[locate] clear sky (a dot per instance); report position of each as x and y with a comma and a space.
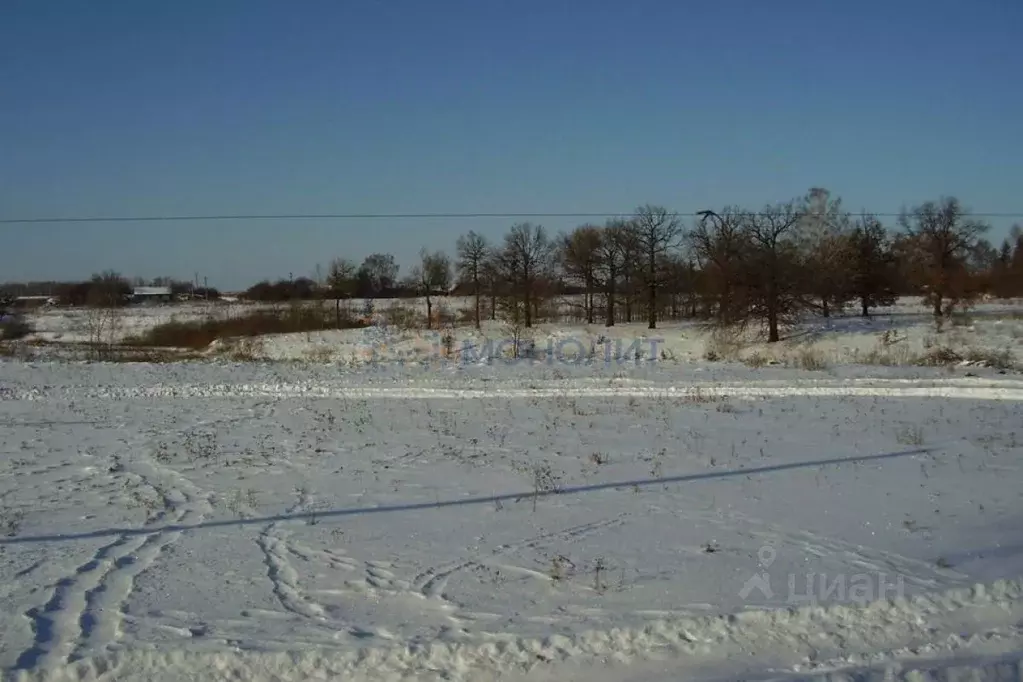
123, 107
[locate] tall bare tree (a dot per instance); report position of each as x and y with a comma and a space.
942, 235
473, 250
632, 265
680, 285
342, 283
492, 279
524, 260
720, 247
658, 233
776, 269
873, 265
611, 255
432, 274
580, 256
826, 240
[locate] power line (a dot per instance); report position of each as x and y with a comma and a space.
373, 216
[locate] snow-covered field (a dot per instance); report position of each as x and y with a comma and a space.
383, 504
901, 335
524, 521
74, 325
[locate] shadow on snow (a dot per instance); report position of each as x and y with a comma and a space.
489, 499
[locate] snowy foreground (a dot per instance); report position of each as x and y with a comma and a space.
643, 522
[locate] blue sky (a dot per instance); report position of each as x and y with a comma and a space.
207, 107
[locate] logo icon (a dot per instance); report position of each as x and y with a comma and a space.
761, 581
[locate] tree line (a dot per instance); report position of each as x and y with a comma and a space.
733, 267
108, 288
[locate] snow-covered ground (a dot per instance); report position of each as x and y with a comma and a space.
80, 325
518, 521
901, 335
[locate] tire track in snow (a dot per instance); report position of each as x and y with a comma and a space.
781, 642
283, 576
431, 582
56, 626
101, 621
85, 610
922, 574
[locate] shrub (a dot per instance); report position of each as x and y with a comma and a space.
722, 345
811, 359
201, 333
14, 327
940, 356
403, 317
997, 359
755, 360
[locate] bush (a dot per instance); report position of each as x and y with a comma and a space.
940, 356
755, 360
811, 359
722, 345
201, 333
14, 327
403, 317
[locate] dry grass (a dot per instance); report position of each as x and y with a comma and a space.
755, 360
244, 349
938, 356
320, 354
198, 334
891, 350
999, 359
810, 359
894, 352
150, 355
723, 345
95, 352
404, 317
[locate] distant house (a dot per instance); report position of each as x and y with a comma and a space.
152, 295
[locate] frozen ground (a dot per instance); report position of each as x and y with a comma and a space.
283, 521
900, 335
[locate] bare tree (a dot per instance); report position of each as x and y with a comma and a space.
108, 292
377, 274
611, 256
492, 279
873, 266
632, 265
754, 263
580, 256
524, 260
1007, 275
720, 247
472, 251
825, 236
680, 285
776, 269
942, 235
658, 232
433, 274
341, 277
342, 283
